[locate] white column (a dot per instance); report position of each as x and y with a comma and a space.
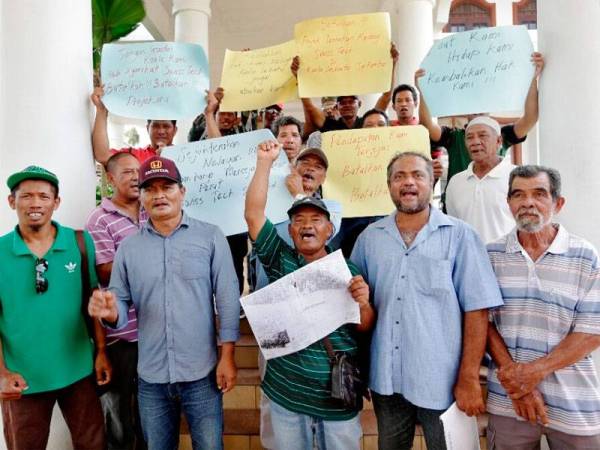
191, 25
504, 12
414, 35
569, 113
46, 79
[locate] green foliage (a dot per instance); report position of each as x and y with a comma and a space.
112, 20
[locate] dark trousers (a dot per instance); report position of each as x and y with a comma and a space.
397, 419
119, 402
238, 244
27, 420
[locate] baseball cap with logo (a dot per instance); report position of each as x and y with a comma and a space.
32, 173
308, 201
158, 167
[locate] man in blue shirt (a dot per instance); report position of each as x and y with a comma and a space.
170, 270
431, 283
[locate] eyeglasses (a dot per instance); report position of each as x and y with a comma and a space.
41, 284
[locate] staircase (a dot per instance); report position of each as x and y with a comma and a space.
242, 413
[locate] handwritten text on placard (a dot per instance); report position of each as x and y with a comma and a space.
216, 174
357, 165
485, 70
258, 78
154, 80
344, 55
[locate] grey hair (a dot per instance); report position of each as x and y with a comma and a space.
284, 121
532, 171
397, 156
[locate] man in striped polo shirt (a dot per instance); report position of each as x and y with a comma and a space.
542, 338
115, 219
303, 413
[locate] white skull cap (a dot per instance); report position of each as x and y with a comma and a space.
485, 120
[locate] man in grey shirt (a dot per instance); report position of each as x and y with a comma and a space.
170, 270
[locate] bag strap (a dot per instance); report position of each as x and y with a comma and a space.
85, 281
329, 348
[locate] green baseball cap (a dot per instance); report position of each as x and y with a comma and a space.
32, 173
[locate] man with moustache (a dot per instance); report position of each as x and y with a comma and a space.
174, 270
541, 340
46, 355
432, 285
161, 133
114, 220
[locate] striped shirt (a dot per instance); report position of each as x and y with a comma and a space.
108, 227
301, 381
544, 301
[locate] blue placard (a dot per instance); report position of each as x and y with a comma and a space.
216, 174
478, 71
154, 80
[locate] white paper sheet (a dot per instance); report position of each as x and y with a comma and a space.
460, 430
302, 307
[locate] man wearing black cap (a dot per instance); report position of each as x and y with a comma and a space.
171, 270
46, 355
302, 410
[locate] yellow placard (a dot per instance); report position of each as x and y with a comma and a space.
358, 160
257, 78
344, 55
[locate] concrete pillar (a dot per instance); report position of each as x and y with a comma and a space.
569, 111
413, 36
45, 82
191, 25
504, 12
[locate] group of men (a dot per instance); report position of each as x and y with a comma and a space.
135, 304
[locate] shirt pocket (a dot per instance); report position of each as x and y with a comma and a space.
432, 277
193, 263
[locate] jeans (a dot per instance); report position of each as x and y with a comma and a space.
160, 410
396, 421
119, 402
294, 431
27, 420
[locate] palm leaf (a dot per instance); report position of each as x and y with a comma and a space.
112, 20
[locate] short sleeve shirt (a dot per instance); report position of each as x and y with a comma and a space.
421, 294
44, 336
142, 154
544, 301
339, 124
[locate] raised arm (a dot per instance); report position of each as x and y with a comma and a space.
384, 99
531, 111
210, 113
100, 143
256, 195
425, 119
314, 117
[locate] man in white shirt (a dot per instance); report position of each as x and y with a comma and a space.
478, 195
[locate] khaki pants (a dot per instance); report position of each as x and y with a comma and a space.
27, 420
506, 433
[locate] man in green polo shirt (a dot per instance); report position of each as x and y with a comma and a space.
303, 414
47, 355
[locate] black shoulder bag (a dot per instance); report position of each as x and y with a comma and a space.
346, 382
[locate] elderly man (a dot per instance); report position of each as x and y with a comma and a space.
171, 270
432, 286
46, 356
478, 194
161, 133
303, 413
542, 338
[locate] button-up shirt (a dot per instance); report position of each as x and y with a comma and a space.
545, 301
420, 294
481, 202
171, 280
